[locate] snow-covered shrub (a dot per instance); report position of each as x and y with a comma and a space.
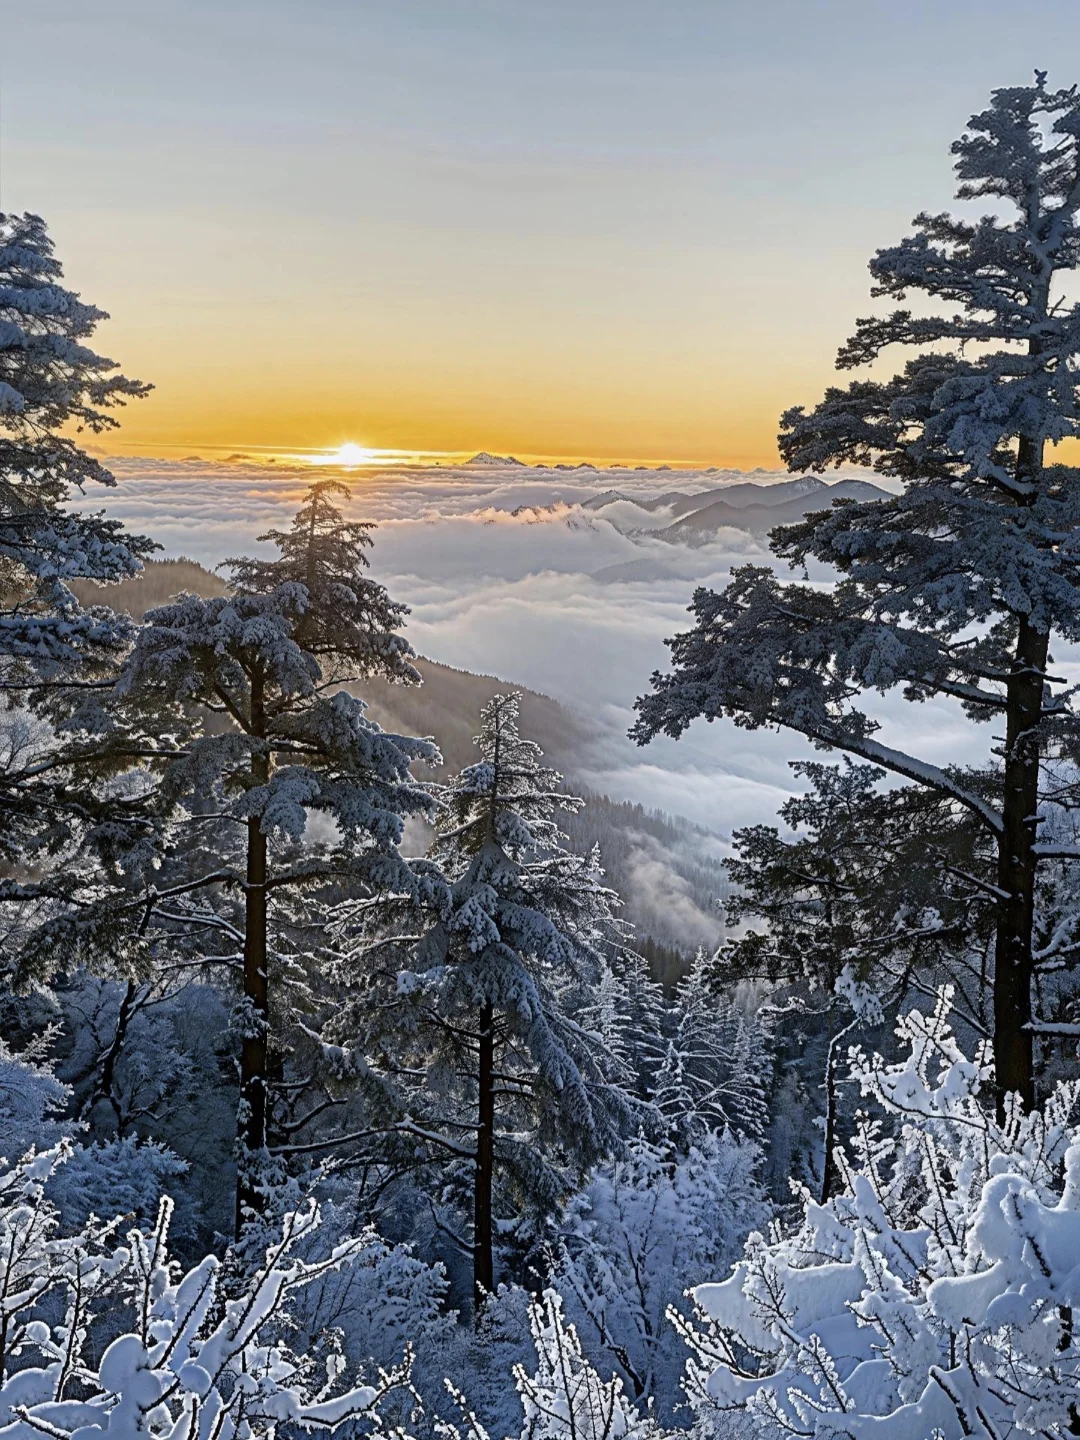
114, 1177
32, 1102
644, 1223
384, 1302
178, 1357
933, 1295
563, 1397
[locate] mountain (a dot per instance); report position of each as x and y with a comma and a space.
612, 497
159, 582
797, 496
662, 866
696, 526
447, 706
751, 492
483, 457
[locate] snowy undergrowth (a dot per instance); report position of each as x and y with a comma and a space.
101, 1337
933, 1295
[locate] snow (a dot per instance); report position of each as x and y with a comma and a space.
929, 1293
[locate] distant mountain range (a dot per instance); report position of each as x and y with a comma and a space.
744, 505
484, 457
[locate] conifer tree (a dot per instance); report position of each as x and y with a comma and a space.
470, 998
264, 667
51, 379
719, 1058
55, 656
954, 587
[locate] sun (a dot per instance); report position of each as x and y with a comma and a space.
348, 454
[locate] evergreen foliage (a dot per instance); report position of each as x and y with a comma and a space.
470, 996
262, 669
226, 981
954, 587
61, 815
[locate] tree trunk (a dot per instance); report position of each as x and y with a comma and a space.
1014, 1068
1013, 1056
253, 1054
483, 1261
105, 1089
830, 1175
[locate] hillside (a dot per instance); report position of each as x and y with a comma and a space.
661, 865
159, 582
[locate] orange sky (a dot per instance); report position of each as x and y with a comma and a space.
617, 230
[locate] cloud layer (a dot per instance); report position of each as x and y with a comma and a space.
507, 574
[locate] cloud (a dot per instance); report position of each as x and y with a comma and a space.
663, 902
506, 573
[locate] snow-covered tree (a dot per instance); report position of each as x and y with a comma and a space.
468, 998
263, 669
933, 1293
640, 1017
563, 1397
98, 1337
50, 379
955, 587
871, 896
643, 1224
718, 1057
56, 749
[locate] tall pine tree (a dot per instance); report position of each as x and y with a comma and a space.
472, 1001
56, 657
955, 587
263, 669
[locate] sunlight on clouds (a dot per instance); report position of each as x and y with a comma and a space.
509, 572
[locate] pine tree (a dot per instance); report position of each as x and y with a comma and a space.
954, 587
57, 752
718, 1059
264, 667
642, 1017
51, 379
471, 1000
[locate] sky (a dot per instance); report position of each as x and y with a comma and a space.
599, 228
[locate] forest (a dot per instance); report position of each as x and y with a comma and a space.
352, 1077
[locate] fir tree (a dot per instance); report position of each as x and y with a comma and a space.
954, 587
472, 1000
720, 1057
58, 812
263, 667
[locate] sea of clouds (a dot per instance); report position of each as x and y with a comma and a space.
508, 574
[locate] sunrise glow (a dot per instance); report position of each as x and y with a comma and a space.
348, 455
